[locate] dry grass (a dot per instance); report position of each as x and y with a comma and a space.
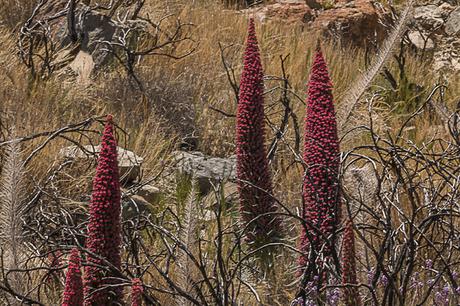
14, 12
192, 85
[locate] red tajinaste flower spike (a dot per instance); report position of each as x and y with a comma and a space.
350, 294
73, 291
104, 227
254, 179
136, 292
321, 155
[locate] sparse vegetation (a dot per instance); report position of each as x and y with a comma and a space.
396, 175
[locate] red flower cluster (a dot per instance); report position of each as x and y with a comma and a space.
73, 291
321, 156
136, 292
254, 180
104, 228
350, 294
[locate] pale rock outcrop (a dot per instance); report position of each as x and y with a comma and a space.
129, 164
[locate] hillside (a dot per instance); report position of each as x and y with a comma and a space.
147, 140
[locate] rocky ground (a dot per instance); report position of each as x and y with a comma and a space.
434, 29
358, 22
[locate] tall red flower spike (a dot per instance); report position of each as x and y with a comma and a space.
136, 292
321, 155
104, 228
257, 206
350, 294
73, 291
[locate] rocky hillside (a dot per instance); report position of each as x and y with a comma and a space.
434, 30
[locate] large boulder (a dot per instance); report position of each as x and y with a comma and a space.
447, 56
95, 29
355, 22
288, 12
129, 164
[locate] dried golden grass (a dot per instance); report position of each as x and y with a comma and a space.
201, 80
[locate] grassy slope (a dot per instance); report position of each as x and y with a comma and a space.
196, 82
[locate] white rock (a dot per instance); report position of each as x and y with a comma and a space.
83, 66
420, 41
129, 164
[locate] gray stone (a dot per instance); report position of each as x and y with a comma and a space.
313, 4
446, 57
205, 169
93, 28
96, 28
440, 22
425, 11
129, 164
452, 26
